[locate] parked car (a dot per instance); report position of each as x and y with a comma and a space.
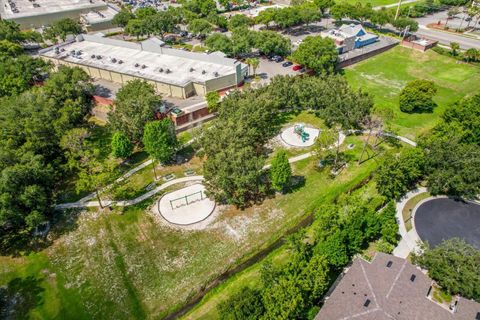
277, 59
287, 64
296, 67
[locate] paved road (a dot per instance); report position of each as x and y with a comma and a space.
446, 38
444, 218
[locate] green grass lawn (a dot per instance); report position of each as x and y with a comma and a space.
374, 3
127, 265
385, 75
407, 209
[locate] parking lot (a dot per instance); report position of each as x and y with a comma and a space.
268, 69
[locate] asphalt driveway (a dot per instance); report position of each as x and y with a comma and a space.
445, 218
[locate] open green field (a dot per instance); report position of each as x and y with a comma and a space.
374, 3
385, 75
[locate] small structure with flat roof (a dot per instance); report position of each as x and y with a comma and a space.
390, 288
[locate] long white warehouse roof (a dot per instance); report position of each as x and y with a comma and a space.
147, 59
13, 9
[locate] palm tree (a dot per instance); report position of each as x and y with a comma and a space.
254, 63
472, 54
455, 47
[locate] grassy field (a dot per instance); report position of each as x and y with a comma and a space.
127, 264
207, 308
385, 75
374, 3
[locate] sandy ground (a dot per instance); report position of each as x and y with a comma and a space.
173, 206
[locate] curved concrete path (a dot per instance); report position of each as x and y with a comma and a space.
410, 239
85, 201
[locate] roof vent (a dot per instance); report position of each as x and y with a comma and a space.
99, 57
114, 60
160, 70
412, 277
120, 61
215, 74
389, 264
62, 50
191, 69
72, 52
137, 65
92, 56
367, 303
203, 71
167, 71
143, 66
57, 50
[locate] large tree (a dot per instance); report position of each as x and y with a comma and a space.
219, 42
135, 105
32, 161
317, 53
280, 171
417, 96
270, 42
399, 173
160, 140
454, 264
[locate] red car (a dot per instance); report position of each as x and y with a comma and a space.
296, 67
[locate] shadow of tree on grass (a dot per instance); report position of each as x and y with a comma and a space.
19, 297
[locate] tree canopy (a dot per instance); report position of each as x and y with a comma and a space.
160, 140
280, 171
417, 96
454, 264
317, 53
135, 105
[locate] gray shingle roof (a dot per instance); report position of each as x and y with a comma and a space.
395, 292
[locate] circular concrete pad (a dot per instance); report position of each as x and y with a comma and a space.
443, 218
289, 136
186, 206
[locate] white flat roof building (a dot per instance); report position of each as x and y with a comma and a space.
38, 13
120, 61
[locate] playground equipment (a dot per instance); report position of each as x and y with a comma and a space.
300, 130
187, 199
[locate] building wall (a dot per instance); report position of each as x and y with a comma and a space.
221, 83
359, 44
165, 89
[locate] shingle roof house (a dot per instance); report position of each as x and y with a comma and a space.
389, 288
